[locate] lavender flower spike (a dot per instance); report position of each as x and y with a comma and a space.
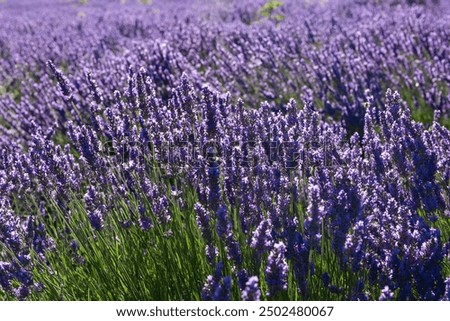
386, 294
251, 291
262, 239
277, 270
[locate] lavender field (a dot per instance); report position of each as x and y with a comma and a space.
224, 150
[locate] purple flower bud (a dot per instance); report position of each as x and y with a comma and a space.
203, 219
223, 291
145, 222
251, 291
446, 296
209, 289
277, 270
96, 219
262, 239
62, 81
386, 294
223, 226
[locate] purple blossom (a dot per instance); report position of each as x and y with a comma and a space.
96, 219
223, 226
446, 296
262, 239
200, 123
217, 287
276, 270
316, 213
62, 81
386, 294
203, 221
251, 291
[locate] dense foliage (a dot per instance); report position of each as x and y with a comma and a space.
217, 150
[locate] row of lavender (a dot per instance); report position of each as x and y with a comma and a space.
337, 52
347, 183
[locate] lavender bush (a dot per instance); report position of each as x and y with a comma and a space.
224, 150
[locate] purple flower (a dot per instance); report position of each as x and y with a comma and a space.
233, 250
217, 287
251, 291
242, 278
223, 226
386, 294
446, 296
276, 270
209, 289
203, 220
223, 291
214, 196
5, 275
145, 222
316, 213
22, 292
96, 219
62, 81
211, 252
262, 239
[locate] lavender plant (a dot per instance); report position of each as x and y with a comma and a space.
228, 152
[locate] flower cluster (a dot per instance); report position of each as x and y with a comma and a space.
279, 143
